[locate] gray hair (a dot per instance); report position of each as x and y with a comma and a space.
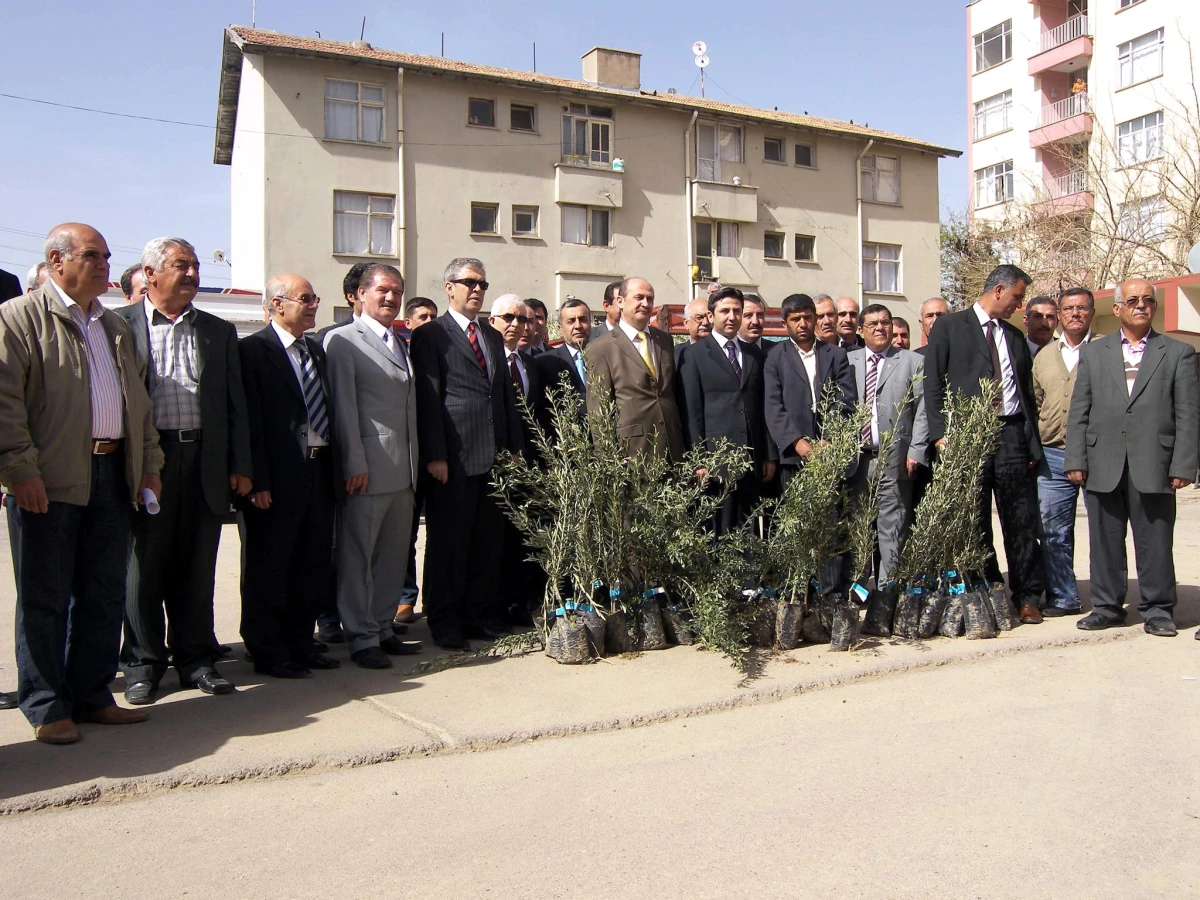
571, 303
507, 303
941, 300
31, 280
59, 240
155, 253
821, 298
463, 262
1005, 276
1118, 298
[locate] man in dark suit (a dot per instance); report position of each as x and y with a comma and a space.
535, 342
634, 367
796, 376
1132, 441
612, 312
575, 323
10, 286
288, 522
467, 411
979, 344
722, 381
193, 375
698, 322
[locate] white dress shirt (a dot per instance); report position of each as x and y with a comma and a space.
509, 356
631, 333
809, 359
1011, 404
104, 380
293, 354
1070, 355
463, 322
737, 348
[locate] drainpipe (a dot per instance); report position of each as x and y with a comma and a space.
689, 225
401, 193
858, 195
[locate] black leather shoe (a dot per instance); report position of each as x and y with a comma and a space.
1160, 626
320, 647
1197, 638
320, 661
141, 693
399, 627
1097, 622
1057, 612
393, 646
284, 670
452, 642
331, 634
371, 658
8, 701
224, 651
212, 683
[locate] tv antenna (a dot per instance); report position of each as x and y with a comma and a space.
700, 49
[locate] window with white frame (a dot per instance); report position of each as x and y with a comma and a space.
484, 218
880, 179
1143, 221
587, 134
1140, 59
363, 224
525, 221
993, 115
993, 46
715, 239
806, 156
881, 268
481, 112
353, 111
805, 248
522, 117
1140, 139
589, 225
1125, 4
773, 245
773, 150
993, 184
715, 144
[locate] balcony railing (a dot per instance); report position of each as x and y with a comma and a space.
1075, 105
1076, 26
1066, 185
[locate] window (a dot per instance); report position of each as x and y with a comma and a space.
481, 112
805, 248
726, 244
483, 218
1125, 4
993, 46
353, 111
1143, 221
362, 223
1140, 139
806, 155
881, 268
993, 184
727, 239
716, 144
1140, 59
992, 115
772, 245
881, 179
522, 117
525, 221
773, 150
587, 134
586, 225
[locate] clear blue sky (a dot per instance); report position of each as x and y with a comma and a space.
896, 66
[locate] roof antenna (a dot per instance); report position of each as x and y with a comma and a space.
362, 33
443, 45
535, 56
253, 13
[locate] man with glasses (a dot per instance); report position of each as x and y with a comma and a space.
1131, 441
287, 538
698, 321
467, 411
1054, 373
194, 377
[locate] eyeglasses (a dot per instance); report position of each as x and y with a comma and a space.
701, 320
508, 318
303, 299
471, 283
1136, 302
877, 326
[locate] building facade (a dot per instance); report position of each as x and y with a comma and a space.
342, 152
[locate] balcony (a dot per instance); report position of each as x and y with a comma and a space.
1067, 121
1067, 194
588, 187
727, 202
1063, 49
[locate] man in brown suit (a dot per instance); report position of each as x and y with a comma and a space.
634, 365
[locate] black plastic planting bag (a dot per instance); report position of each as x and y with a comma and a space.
931, 613
789, 616
617, 638
594, 623
569, 641
653, 634
907, 623
977, 616
952, 616
1003, 610
678, 628
761, 607
844, 626
881, 611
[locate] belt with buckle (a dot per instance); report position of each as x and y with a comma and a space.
106, 447
316, 452
179, 435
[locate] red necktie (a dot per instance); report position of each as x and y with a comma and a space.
474, 339
516, 375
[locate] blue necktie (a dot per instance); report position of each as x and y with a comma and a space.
314, 396
579, 368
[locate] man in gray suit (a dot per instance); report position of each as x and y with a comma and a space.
1131, 441
375, 423
883, 375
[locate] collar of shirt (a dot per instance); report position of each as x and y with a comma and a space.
982, 315
96, 310
155, 316
285, 337
458, 317
379, 328
1137, 347
722, 341
509, 354
1062, 339
630, 331
806, 354
878, 357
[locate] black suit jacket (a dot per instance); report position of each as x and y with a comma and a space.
279, 418
718, 404
10, 286
788, 403
957, 358
224, 425
463, 415
550, 367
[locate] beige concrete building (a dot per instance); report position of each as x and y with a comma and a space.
343, 152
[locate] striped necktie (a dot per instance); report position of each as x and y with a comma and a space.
473, 337
869, 396
314, 396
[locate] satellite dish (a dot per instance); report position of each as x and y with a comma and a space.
702, 62
1194, 260
218, 256
699, 48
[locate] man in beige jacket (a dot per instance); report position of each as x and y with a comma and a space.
77, 450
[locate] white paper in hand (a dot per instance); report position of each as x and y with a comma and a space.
150, 501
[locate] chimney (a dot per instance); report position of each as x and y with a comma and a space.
613, 68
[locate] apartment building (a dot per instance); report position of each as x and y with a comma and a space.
1076, 109
342, 152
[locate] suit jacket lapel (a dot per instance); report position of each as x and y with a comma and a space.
977, 334
822, 370
858, 365
1152, 357
204, 344
793, 355
458, 337
721, 360
141, 339
279, 359
564, 352
376, 343
317, 353
626, 345
890, 364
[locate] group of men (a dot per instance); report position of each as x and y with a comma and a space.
128, 438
